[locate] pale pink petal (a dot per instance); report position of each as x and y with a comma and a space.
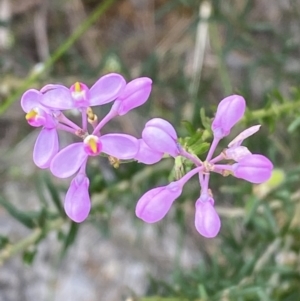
135, 94
30, 100
146, 155
164, 125
237, 153
160, 141
77, 201
49, 87
107, 89
58, 98
120, 146
68, 160
207, 221
45, 148
243, 135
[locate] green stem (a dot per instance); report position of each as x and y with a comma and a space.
11, 250
79, 31
274, 110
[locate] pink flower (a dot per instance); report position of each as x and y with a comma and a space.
105, 90
160, 136
46, 145
134, 95
68, 161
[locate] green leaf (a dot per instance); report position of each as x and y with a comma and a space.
200, 148
3, 241
294, 125
28, 219
206, 121
55, 198
29, 255
189, 127
70, 237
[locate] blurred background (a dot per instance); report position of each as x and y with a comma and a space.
196, 52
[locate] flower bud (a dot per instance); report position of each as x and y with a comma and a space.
160, 136
230, 110
77, 202
147, 155
207, 221
253, 168
155, 203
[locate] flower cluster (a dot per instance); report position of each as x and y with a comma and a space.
160, 136
45, 108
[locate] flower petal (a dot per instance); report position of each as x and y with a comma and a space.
107, 89
164, 125
68, 160
207, 221
253, 168
237, 141
77, 201
156, 203
147, 155
236, 153
30, 99
160, 141
135, 94
45, 148
120, 146
58, 98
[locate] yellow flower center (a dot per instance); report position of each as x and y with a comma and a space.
31, 115
77, 87
93, 145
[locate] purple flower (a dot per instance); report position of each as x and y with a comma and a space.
207, 221
160, 136
77, 201
46, 145
230, 110
105, 90
68, 161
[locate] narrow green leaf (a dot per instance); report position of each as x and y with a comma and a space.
70, 237
189, 127
28, 219
55, 198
